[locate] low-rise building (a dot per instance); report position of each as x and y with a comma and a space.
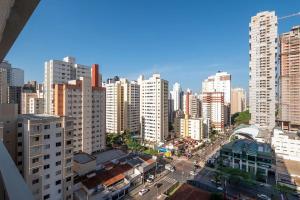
248, 155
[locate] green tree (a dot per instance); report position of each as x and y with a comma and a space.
241, 118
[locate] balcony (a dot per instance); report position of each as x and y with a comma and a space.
10, 179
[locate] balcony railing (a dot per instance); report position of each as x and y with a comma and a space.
12, 184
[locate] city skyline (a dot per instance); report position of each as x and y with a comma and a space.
182, 41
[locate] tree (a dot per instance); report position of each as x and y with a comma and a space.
241, 118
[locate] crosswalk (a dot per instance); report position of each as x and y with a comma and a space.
170, 180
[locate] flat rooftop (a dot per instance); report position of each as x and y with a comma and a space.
83, 158
109, 155
288, 170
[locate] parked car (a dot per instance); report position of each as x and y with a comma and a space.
169, 167
151, 176
263, 197
150, 180
143, 191
220, 188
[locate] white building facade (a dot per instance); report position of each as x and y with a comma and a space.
262, 66
154, 109
176, 96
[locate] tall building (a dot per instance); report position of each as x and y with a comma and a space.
238, 100
122, 106
3, 85
32, 103
15, 76
213, 109
220, 82
289, 78
176, 96
84, 101
57, 72
191, 104
14, 96
154, 109
8, 128
45, 155
262, 66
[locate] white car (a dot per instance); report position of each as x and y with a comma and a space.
143, 191
220, 188
149, 180
263, 196
151, 176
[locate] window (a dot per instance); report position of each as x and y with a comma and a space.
58, 144
47, 176
36, 139
35, 181
46, 157
46, 186
58, 153
58, 182
69, 142
58, 172
19, 144
68, 179
19, 134
36, 170
46, 136
47, 196
58, 125
34, 160
58, 163
46, 166
58, 134
19, 124
47, 126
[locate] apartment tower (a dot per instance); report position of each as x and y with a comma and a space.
290, 78
238, 100
154, 109
262, 66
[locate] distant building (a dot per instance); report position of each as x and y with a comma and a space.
238, 100
15, 76
289, 79
191, 104
3, 85
195, 128
33, 100
177, 97
262, 65
58, 72
154, 109
122, 106
45, 155
213, 109
84, 100
248, 155
220, 82
14, 96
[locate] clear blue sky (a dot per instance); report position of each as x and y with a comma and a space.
184, 40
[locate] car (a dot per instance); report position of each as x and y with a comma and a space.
169, 167
220, 188
263, 196
193, 173
149, 180
143, 191
151, 176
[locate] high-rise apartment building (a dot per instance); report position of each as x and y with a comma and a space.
14, 96
290, 78
154, 109
84, 101
213, 109
45, 155
177, 97
15, 76
220, 82
191, 104
238, 100
32, 103
3, 85
57, 72
122, 106
262, 66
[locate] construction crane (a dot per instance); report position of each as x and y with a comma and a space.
288, 16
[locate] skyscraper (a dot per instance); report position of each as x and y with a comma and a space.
15, 76
61, 72
191, 104
262, 66
122, 106
3, 85
290, 78
84, 101
154, 109
176, 95
238, 100
220, 82
213, 109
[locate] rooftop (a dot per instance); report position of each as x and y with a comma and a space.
83, 158
106, 156
38, 116
250, 147
189, 192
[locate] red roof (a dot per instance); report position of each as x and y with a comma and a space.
189, 192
